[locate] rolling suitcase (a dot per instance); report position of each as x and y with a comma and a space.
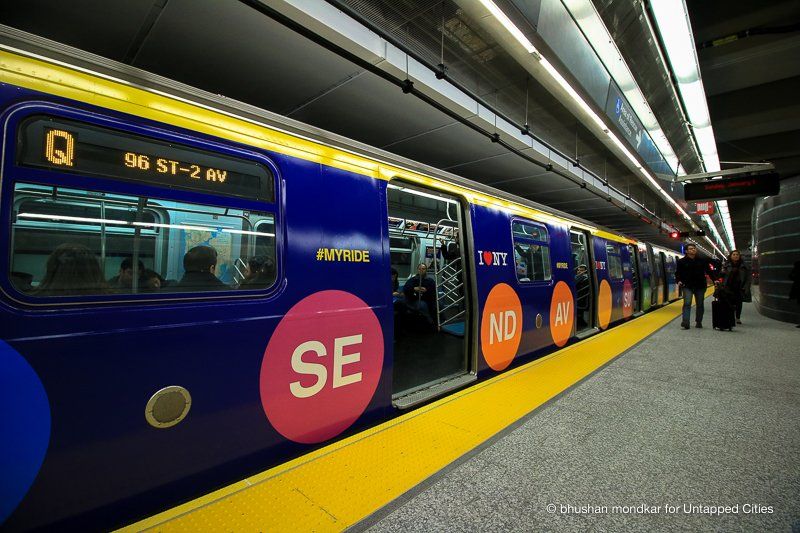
722, 315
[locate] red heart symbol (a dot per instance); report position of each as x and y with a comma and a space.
488, 257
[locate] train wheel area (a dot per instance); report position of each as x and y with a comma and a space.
340, 485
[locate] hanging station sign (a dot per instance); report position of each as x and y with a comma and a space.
752, 186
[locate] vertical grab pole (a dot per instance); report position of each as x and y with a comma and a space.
137, 231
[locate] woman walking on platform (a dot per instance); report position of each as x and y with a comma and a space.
736, 281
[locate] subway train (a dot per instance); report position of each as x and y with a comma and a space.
197, 290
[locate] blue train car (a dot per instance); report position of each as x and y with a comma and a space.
194, 293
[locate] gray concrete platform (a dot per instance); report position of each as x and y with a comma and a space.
685, 418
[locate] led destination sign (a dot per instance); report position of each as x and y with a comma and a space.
763, 185
75, 147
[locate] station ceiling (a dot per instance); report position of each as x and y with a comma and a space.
748, 54
230, 48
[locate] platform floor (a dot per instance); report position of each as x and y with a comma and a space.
697, 417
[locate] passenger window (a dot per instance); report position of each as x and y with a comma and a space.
72, 242
531, 252
614, 261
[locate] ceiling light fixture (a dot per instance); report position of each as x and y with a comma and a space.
565, 85
671, 18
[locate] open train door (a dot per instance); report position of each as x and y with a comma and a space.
585, 280
636, 279
433, 300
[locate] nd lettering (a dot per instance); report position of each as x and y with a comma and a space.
502, 326
319, 370
562, 313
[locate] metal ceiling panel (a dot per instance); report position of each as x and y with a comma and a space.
436, 148
383, 116
231, 50
497, 170
742, 64
105, 28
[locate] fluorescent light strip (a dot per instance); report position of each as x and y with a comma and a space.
517, 34
510, 26
672, 19
173, 226
420, 193
72, 219
246, 232
596, 32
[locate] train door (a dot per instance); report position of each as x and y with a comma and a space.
645, 277
636, 281
664, 277
669, 275
430, 293
582, 267
656, 278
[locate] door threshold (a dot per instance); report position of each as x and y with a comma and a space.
587, 333
440, 388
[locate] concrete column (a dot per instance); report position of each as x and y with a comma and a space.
776, 247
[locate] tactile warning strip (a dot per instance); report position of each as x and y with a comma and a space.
335, 487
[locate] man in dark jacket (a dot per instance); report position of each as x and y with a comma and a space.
200, 263
420, 292
690, 273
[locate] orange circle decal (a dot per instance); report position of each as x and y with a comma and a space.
604, 304
562, 314
501, 326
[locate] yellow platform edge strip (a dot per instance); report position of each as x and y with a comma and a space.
67, 82
336, 486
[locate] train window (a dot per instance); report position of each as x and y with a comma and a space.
614, 261
402, 250
73, 242
531, 251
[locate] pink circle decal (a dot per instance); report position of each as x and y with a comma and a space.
627, 299
321, 366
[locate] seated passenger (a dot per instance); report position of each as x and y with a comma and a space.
200, 264
420, 293
150, 281
396, 294
260, 273
124, 279
72, 269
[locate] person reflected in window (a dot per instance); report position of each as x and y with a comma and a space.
420, 293
582, 289
199, 264
72, 269
124, 278
260, 273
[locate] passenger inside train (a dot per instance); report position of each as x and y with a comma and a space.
420, 293
200, 264
124, 278
260, 273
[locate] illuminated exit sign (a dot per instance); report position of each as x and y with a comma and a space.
764, 185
